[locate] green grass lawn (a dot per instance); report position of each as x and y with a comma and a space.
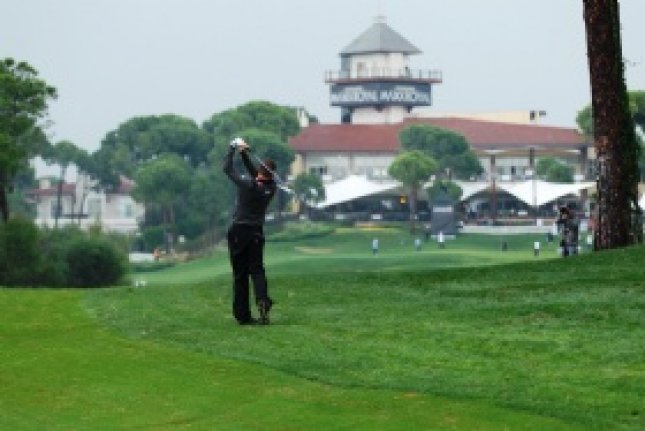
465, 338
349, 250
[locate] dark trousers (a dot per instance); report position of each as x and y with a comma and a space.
246, 250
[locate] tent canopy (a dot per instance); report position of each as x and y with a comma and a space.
354, 187
532, 192
537, 192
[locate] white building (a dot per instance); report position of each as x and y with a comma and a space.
83, 205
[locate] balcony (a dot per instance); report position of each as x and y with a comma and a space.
384, 74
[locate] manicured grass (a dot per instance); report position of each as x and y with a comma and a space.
59, 370
349, 250
459, 338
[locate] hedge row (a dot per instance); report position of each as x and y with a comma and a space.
57, 257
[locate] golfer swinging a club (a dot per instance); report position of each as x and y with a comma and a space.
246, 236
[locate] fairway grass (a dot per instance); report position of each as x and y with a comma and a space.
60, 371
457, 339
349, 250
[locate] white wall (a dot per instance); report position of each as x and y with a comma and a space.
387, 115
341, 165
114, 212
380, 64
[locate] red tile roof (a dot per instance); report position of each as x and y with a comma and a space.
125, 187
68, 189
481, 134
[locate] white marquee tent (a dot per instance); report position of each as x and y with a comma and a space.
533, 193
537, 192
354, 187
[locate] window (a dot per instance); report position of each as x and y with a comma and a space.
361, 70
318, 170
56, 210
379, 172
126, 210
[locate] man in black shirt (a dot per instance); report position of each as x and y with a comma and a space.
246, 236
568, 225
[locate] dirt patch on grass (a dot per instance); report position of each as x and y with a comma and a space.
314, 250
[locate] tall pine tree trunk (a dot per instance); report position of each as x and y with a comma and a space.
615, 142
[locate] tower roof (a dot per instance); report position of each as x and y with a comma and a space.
380, 38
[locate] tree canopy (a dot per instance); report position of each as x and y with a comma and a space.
141, 139
449, 149
163, 181
411, 168
584, 118
309, 188
441, 188
23, 103
554, 171
263, 115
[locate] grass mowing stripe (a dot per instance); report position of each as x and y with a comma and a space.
59, 371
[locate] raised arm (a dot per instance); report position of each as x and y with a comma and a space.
230, 171
248, 164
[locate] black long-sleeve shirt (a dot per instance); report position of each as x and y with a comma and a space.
253, 195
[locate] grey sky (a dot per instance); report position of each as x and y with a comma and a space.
114, 59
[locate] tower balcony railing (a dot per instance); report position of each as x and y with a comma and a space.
380, 73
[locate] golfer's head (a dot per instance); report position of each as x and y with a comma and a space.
267, 163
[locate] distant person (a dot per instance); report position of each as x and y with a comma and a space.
536, 248
375, 246
417, 244
568, 226
426, 231
441, 240
246, 235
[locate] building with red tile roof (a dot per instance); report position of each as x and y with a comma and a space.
83, 205
378, 96
320, 146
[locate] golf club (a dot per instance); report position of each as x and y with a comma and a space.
279, 182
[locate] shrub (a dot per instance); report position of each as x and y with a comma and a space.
94, 262
58, 257
54, 246
19, 257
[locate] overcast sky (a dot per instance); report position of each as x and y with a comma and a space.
114, 59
